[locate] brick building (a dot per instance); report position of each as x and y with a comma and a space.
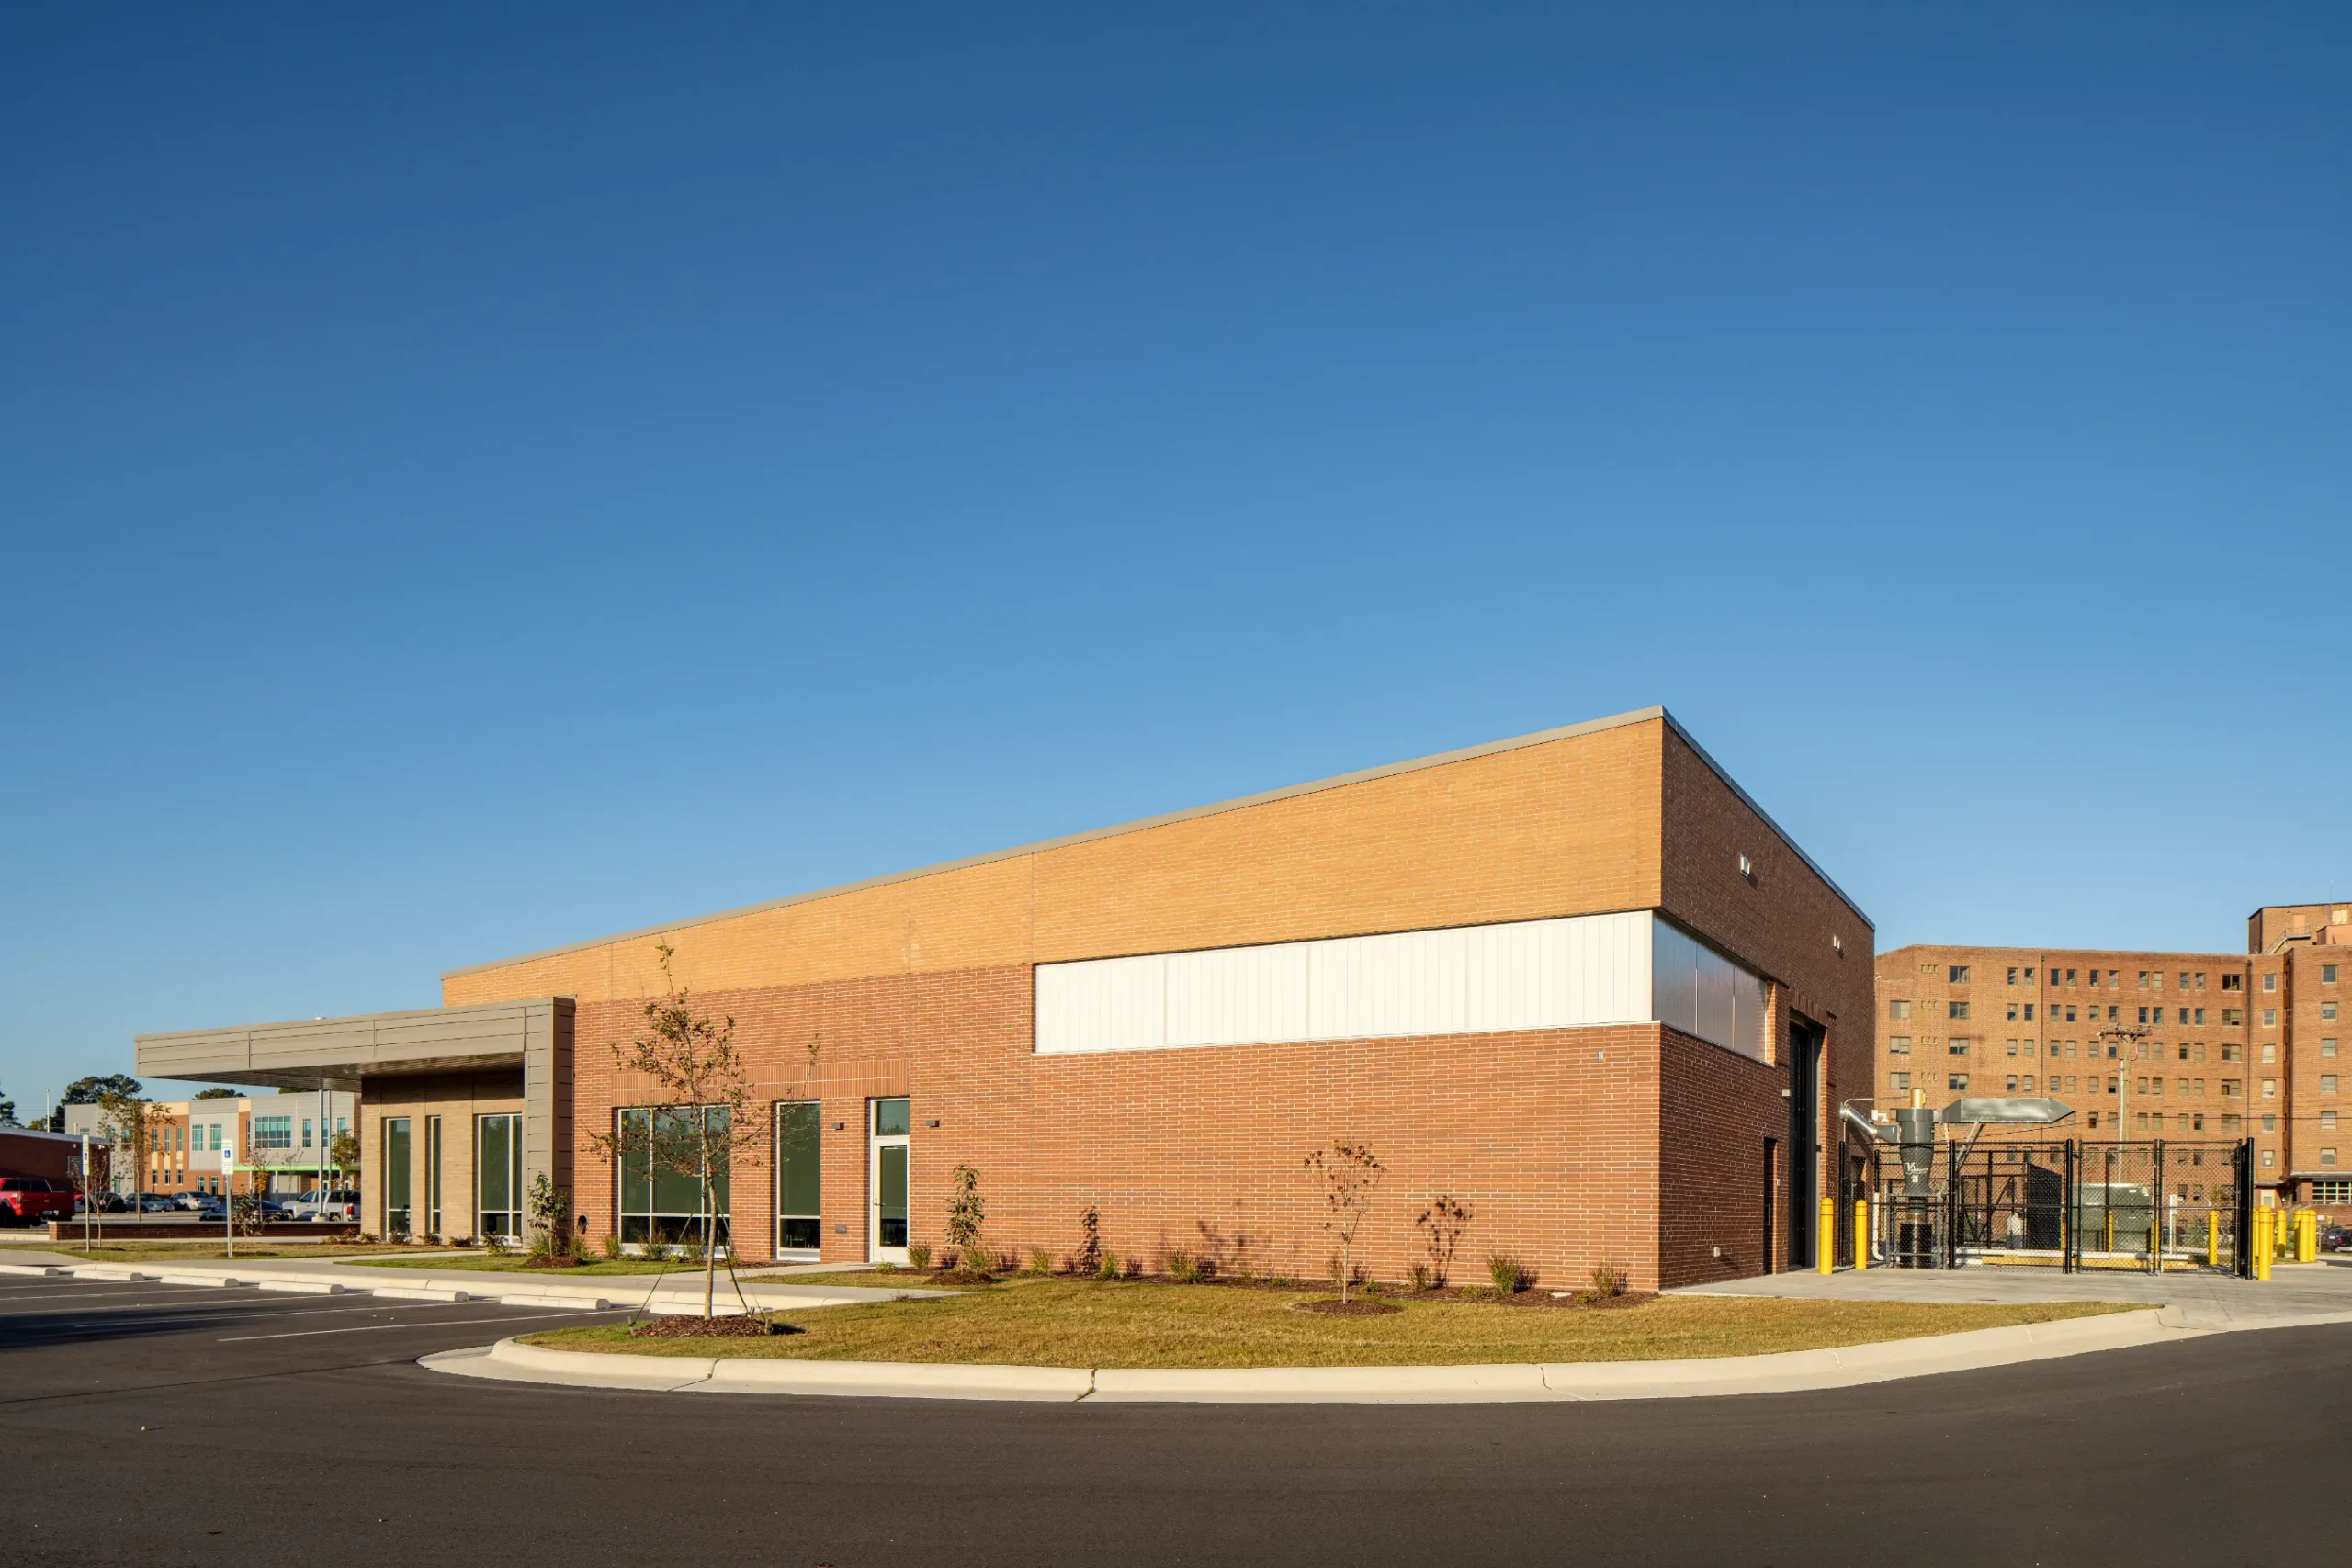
2234, 1045
1577, 980
281, 1143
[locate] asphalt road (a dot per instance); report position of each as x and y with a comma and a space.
160, 1425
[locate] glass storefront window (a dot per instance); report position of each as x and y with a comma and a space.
396, 1176
660, 1186
498, 1176
799, 1186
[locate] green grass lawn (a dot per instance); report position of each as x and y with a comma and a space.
1071, 1323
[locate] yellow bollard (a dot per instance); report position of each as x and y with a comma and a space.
2307, 1236
1861, 1234
2262, 1243
2110, 1229
2213, 1239
1826, 1244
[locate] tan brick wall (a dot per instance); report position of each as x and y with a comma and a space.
1566, 827
457, 1098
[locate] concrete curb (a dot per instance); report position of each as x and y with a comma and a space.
604, 1294
1793, 1371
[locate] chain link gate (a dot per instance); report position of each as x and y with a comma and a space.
2072, 1205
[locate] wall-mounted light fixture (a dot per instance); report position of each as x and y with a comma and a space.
1746, 868
1837, 945
932, 1122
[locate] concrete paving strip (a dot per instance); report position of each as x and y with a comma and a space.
1793, 1371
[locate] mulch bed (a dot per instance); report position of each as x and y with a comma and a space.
567, 1260
739, 1327
1332, 1306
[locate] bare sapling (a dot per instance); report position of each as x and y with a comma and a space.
1349, 1175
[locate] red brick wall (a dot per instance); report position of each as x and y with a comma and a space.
1550, 1136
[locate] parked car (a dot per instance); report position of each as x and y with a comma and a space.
340, 1204
108, 1203
29, 1201
2334, 1238
158, 1204
192, 1200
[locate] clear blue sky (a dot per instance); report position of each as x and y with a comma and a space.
474, 482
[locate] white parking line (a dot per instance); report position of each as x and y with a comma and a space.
86, 1296
374, 1327
271, 1309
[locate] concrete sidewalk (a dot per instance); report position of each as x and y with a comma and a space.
668, 1294
2296, 1292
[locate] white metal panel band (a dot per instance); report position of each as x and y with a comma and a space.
1582, 970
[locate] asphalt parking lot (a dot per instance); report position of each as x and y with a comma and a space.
160, 1424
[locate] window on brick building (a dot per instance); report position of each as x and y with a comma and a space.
2270, 1122
2327, 1047
2029, 977
1898, 1010
2270, 982
2013, 1083
2234, 982
2327, 974
2328, 1012
1957, 1048
2013, 975
1898, 1081
2270, 1018
2029, 1083
2070, 1086
1898, 1044
1957, 1009
1959, 975
2331, 1192
2270, 1158
2270, 1053
1956, 1081
2327, 1156
2327, 1083
2232, 1123
2232, 1018
2327, 1120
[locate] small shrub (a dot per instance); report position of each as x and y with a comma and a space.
1132, 1269
693, 1251
1089, 1257
1008, 1262
658, 1251
611, 1245
1106, 1264
1040, 1261
1608, 1280
1508, 1275
1418, 1276
1184, 1267
919, 1255
365, 1238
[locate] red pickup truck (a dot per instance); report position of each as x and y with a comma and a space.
29, 1201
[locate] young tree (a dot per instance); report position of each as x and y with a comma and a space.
1347, 1174
343, 1155
7, 1112
701, 1121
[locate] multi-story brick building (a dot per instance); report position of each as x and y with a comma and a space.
2221, 1045
281, 1143
1578, 981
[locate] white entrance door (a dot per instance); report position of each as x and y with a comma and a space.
885, 1182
